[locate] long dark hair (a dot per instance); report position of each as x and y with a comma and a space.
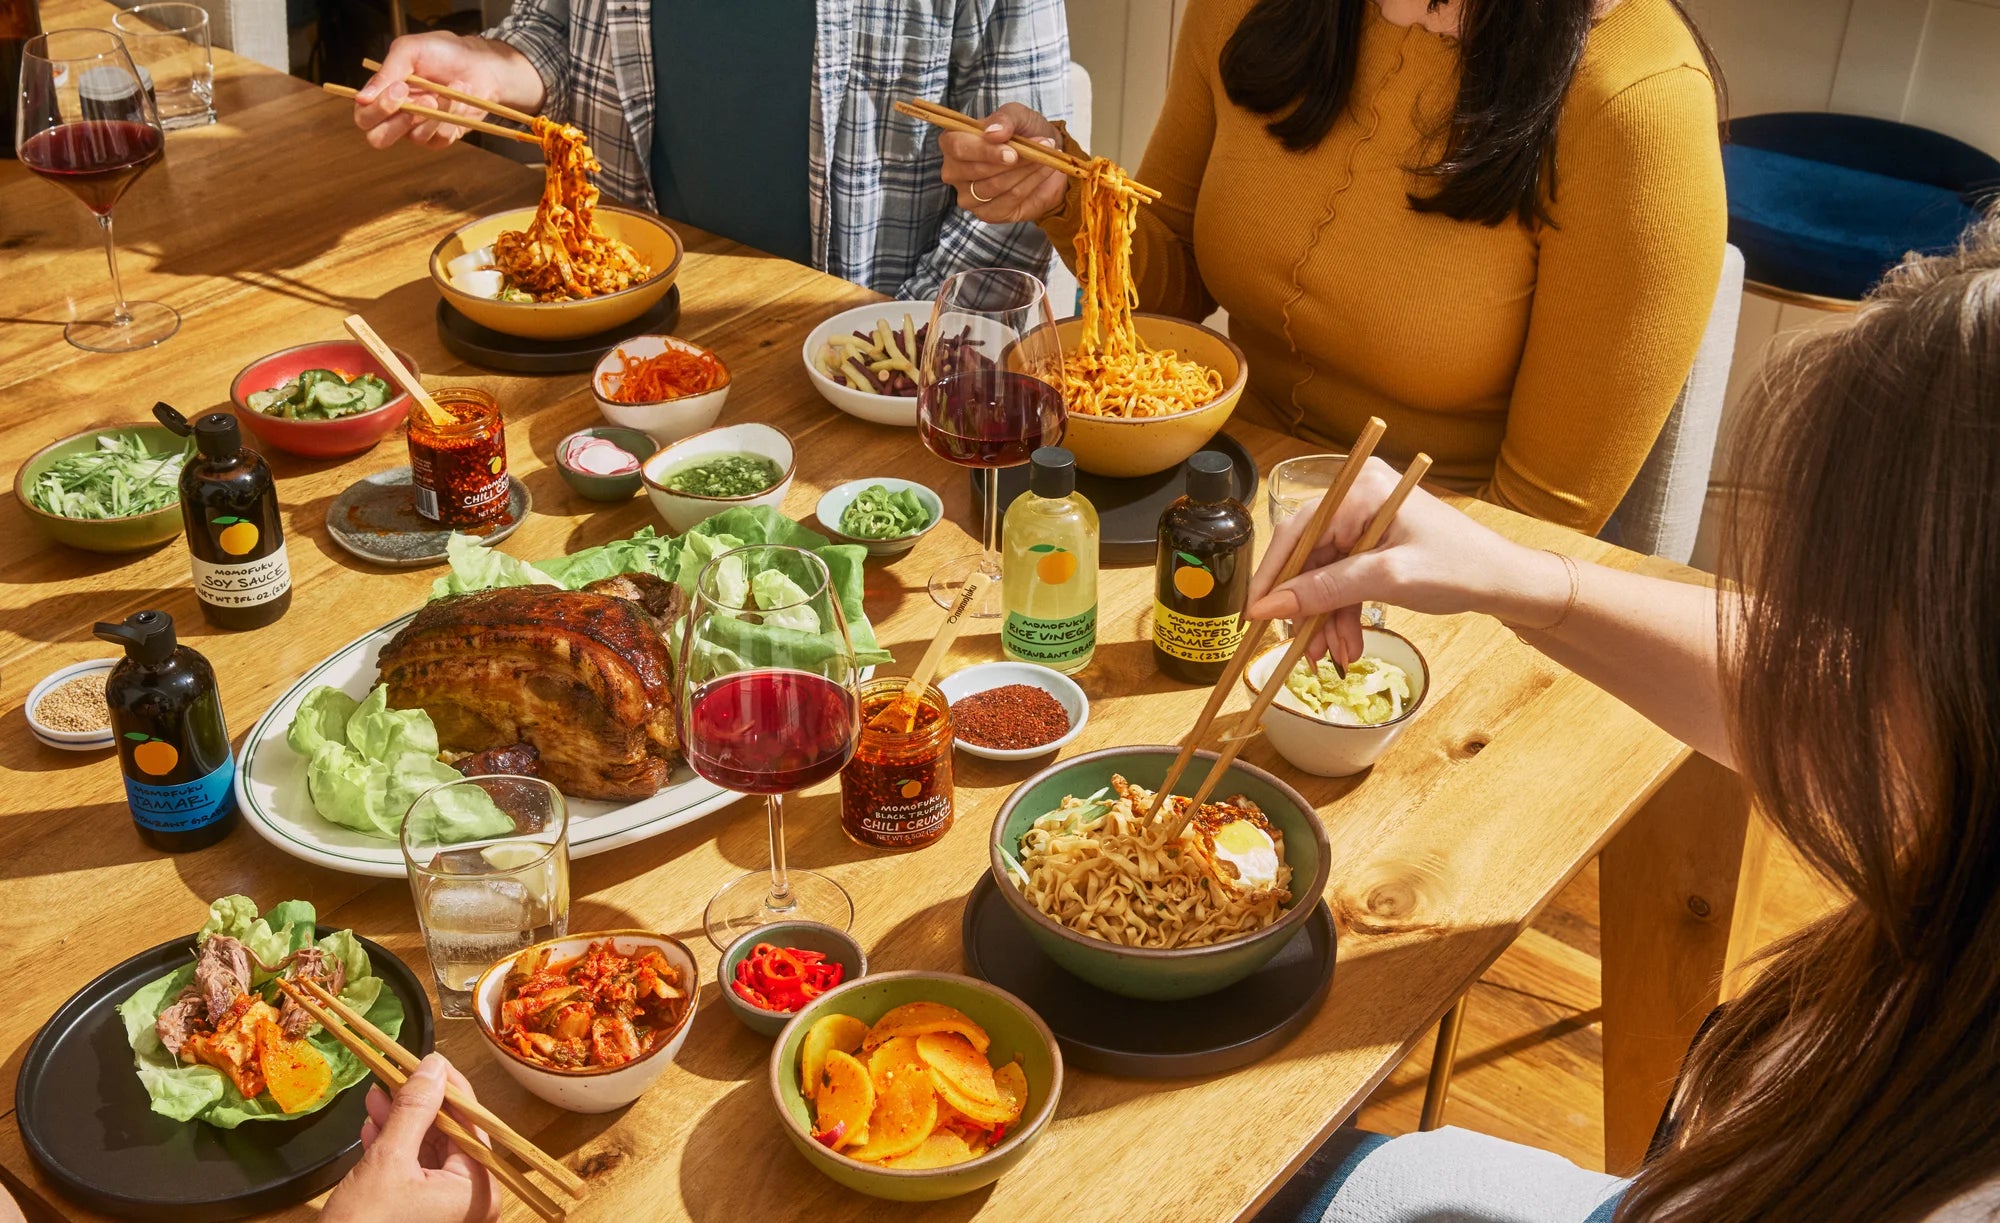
1295, 59
1853, 1078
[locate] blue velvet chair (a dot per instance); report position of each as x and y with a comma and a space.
1822, 205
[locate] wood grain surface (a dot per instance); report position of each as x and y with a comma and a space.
264, 230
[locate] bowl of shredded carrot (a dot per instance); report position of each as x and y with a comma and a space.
661, 385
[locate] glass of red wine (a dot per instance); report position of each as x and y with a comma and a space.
988, 394
768, 707
87, 123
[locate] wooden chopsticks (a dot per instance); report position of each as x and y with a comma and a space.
1055, 159
1247, 726
1253, 634
390, 1061
445, 91
445, 116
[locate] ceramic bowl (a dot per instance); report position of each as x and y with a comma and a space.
683, 511
1152, 973
128, 534
1117, 447
1329, 749
898, 410
595, 1090
68, 740
838, 946
835, 501
1015, 1030
654, 241
982, 676
665, 420
320, 439
606, 488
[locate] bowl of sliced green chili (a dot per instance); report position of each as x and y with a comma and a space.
114, 489
885, 515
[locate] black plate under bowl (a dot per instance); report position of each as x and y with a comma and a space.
1128, 511
490, 349
88, 1124
1110, 1034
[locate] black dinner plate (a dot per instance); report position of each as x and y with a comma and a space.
90, 1127
1128, 511
1110, 1034
490, 349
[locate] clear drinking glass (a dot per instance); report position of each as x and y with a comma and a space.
482, 899
86, 124
170, 43
768, 706
988, 396
1296, 485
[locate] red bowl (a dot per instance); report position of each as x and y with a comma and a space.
319, 439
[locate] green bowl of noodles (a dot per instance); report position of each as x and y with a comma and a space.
1164, 955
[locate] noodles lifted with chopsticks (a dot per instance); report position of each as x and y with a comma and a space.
1099, 867
562, 255
1112, 372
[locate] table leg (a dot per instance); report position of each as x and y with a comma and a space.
1678, 890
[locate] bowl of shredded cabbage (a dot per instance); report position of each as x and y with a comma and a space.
1332, 725
114, 489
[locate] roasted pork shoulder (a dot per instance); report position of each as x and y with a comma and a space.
584, 677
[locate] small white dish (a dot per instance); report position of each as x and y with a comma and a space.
987, 675
593, 1090
897, 410
68, 740
1331, 749
666, 420
684, 511
834, 502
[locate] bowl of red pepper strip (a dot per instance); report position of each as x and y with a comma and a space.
771, 973
661, 385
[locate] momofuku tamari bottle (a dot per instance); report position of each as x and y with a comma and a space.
1048, 568
236, 540
172, 745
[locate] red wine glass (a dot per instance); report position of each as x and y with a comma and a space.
988, 395
87, 123
768, 707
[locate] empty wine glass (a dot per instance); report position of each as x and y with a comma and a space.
768, 706
86, 123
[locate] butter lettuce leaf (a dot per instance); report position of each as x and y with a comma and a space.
383, 761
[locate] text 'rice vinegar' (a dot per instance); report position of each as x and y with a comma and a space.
1048, 568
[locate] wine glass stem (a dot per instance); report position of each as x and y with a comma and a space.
990, 477
119, 314
781, 881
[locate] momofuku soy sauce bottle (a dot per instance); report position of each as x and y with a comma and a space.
236, 541
172, 744
1202, 574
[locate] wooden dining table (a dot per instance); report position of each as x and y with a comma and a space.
266, 228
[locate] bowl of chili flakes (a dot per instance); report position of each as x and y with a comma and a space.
1023, 711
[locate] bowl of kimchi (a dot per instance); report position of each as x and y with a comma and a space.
590, 1021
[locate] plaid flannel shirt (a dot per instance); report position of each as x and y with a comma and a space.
881, 215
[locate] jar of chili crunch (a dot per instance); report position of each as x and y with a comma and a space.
458, 469
896, 793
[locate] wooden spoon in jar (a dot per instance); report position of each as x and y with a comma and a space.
358, 328
904, 707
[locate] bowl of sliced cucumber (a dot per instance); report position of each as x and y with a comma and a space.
327, 400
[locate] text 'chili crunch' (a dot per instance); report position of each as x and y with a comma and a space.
1010, 718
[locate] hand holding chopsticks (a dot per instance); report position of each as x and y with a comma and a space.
390, 1061
1055, 159
444, 116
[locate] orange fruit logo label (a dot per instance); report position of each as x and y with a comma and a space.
155, 757
909, 789
1192, 578
1056, 566
237, 536
495, 463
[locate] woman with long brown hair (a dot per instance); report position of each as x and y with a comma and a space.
1849, 668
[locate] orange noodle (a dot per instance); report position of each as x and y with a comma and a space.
562, 255
1112, 372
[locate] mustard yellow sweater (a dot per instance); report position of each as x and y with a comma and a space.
1535, 367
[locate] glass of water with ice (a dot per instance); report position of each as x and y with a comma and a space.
488, 860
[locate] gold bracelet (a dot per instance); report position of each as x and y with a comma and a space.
1575, 587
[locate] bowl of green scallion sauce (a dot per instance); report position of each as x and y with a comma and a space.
698, 477
115, 489
885, 515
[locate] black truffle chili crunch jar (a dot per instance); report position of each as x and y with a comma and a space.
896, 792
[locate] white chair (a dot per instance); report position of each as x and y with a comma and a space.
1662, 510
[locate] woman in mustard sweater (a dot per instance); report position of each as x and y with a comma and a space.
1499, 226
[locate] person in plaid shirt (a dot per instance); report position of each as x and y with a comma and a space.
767, 121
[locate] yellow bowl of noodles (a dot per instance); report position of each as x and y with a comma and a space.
1120, 446
655, 243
